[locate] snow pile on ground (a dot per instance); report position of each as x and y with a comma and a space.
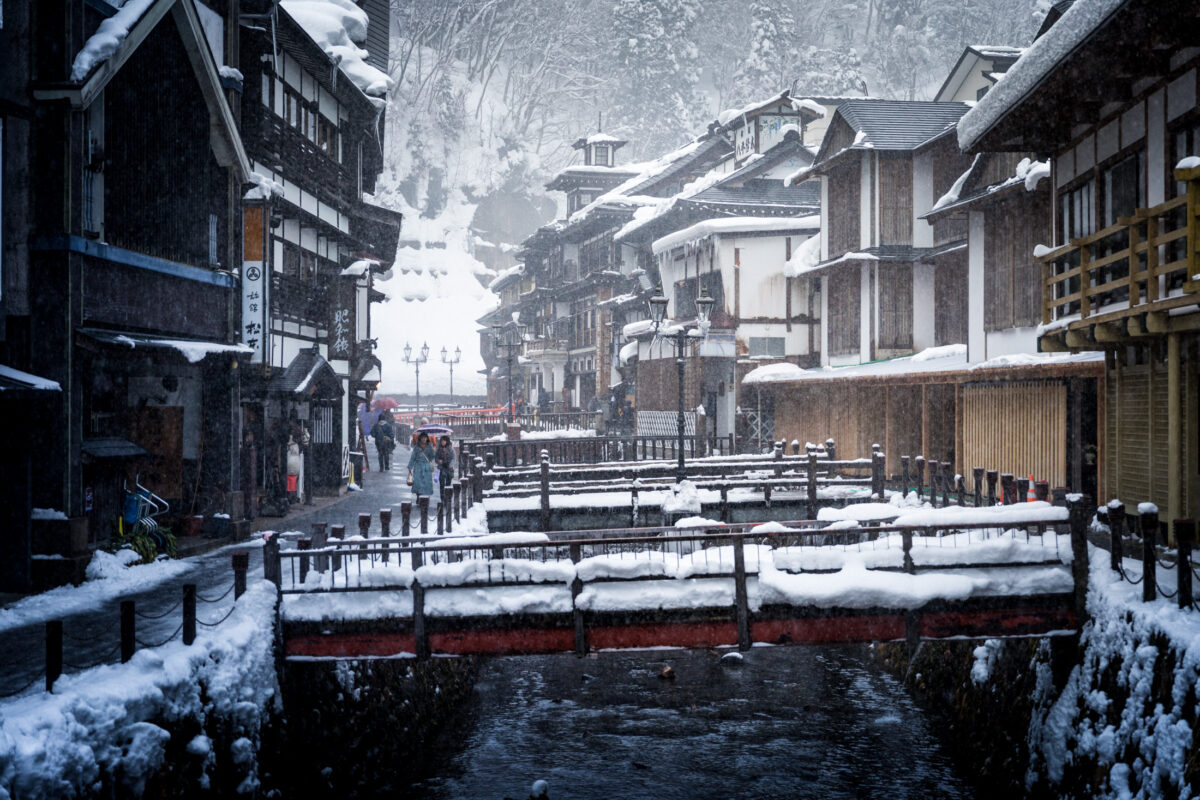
567, 433
682, 498
109, 577
105, 731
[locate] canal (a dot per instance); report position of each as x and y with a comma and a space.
779, 722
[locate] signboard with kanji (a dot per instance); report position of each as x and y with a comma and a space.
342, 323
255, 284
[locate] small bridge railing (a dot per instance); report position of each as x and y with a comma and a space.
569, 561
594, 449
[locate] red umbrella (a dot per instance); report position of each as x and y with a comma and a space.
384, 404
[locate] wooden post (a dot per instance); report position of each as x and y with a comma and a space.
405, 519
905, 477
935, 476
877, 474
1022, 489
241, 564
272, 568
812, 485
364, 530
335, 532
961, 490
795, 447
189, 613
477, 481
1079, 513
1008, 489
741, 597
1185, 540
423, 510
456, 496
128, 630
830, 451
906, 543
1116, 527
54, 652
545, 491
304, 543
448, 507
581, 646
440, 522
920, 463
725, 503
1149, 530
992, 477
1041, 490
767, 492
947, 482
977, 485
778, 459
633, 505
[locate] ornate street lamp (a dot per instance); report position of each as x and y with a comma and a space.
417, 361
658, 313
452, 362
511, 348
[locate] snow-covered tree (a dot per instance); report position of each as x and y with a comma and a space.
765, 69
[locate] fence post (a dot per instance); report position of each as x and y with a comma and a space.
319, 539
304, 543
905, 475
440, 523
1008, 489
1022, 489
385, 530
977, 482
54, 652
947, 482
477, 481
545, 491
961, 489
741, 598
1185, 540
335, 532
778, 459
633, 504
1149, 529
423, 510
811, 479
581, 646
189, 613
725, 503
241, 564
1041, 490
935, 476
489, 466
448, 504
272, 568
992, 477
920, 463
906, 544
795, 447
1116, 527
877, 473
128, 630
405, 518
456, 496
767, 492
364, 530
830, 444
1078, 510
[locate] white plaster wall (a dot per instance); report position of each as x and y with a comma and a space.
976, 338
1156, 191
864, 312
923, 303
866, 202
1010, 341
923, 198
824, 321
824, 219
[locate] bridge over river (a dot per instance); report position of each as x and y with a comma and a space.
1015, 570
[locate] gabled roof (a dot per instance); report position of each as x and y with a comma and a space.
897, 124
761, 192
734, 118
106, 51
308, 374
1001, 58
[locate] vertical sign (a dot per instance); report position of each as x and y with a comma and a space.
341, 322
255, 283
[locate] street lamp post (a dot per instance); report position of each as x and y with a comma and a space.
417, 361
658, 312
452, 362
502, 340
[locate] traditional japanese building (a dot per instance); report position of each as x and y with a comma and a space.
313, 241
1109, 92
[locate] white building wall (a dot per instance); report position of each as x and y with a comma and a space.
976, 339
1156, 191
923, 198
923, 306
824, 321
865, 312
866, 203
824, 220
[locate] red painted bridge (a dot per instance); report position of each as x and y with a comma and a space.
735, 585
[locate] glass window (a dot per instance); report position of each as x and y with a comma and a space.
767, 346
1077, 212
1124, 188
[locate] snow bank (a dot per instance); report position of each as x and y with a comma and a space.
102, 731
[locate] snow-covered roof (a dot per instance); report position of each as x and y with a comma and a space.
1028, 172
506, 277
628, 352
361, 267
339, 27
1034, 65
947, 358
191, 349
12, 379
101, 45
723, 225
805, 257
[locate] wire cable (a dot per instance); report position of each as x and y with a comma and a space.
214, 599
107, 657
16, 692
218, 622
164, 641
162, 615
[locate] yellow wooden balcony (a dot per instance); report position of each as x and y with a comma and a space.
1132, 279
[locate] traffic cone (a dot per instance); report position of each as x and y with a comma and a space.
1030, 496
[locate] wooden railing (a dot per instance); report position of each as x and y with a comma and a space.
594, 449
491, 422
1141, 260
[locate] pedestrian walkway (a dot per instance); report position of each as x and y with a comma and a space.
91, 630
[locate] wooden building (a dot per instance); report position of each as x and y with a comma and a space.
1109, 90
313, 243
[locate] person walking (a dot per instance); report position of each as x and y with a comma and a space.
445, 464
384, 434
420, 466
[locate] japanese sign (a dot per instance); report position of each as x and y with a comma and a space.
255, 326
341, 322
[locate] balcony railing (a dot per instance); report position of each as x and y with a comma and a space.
544, 344
1147, 261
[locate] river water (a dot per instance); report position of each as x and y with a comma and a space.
783, 722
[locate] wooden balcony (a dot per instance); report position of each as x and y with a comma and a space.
1133, 279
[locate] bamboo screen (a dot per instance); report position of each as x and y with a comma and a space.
1018, 428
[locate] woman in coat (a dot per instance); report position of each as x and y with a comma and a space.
420, 466
445, 463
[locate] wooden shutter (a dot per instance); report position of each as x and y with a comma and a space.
1017, 427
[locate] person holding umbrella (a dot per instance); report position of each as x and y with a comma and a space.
445, 462
384, 435
420, 466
